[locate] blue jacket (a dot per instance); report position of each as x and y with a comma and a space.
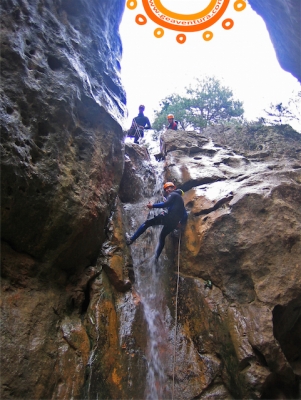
175, 207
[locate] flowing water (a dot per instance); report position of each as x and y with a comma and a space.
156, 356
149, 285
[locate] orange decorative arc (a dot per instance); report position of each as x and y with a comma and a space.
185, 22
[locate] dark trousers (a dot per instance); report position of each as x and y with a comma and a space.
161, 219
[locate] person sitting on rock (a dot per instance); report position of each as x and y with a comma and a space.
172, 123
138, 124
175, 216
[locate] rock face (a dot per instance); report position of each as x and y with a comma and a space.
243, 234
238, 323
61, 145
283, 21
82, 314
138, 178
62, 157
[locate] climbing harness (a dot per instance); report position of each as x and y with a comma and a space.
137, 129
134, 130
176, 320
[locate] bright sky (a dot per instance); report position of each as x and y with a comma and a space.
243, 58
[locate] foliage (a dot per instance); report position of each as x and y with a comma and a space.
173, 104
207, 102
280, 113
277, 114
212, 103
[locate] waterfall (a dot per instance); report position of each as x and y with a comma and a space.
149, 284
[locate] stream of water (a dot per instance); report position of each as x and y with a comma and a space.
150, 287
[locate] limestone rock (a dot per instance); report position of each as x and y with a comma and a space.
62, 156
116, 368
72, 322
114, 258
138, 177
61, 145
243, 233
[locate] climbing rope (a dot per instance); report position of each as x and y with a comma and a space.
176, 320
137, 130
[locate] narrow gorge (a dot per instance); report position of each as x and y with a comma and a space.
83, 315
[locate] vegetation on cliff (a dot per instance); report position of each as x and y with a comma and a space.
206, 102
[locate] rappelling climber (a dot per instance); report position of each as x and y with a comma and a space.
174, 217
139, 123
172, 123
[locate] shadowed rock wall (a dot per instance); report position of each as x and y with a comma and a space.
283, 21
62, 156
62, 150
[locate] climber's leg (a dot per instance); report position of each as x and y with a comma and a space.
150, 222
165, 231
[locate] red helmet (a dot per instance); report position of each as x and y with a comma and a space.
170, 116
168, 184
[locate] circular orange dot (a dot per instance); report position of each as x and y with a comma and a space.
159, 32
131, 4
207, 35
227, 23
239, 5
140, 19
181, 38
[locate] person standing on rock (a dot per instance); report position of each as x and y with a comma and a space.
175, 215
139, 123
172, 123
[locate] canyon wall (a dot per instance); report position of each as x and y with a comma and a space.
238, 305
283, 21
242, 187
62, 157
73, 323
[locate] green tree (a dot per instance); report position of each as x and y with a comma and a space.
211, 103
207, 102
173, 104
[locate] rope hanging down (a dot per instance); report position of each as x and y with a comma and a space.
176, 320
137, 130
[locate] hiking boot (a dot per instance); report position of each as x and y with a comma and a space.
129, 241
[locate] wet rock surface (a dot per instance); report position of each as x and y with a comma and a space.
82, 314
237, 337
243, 234
138, 179
61, 147
62, 158
109, 331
